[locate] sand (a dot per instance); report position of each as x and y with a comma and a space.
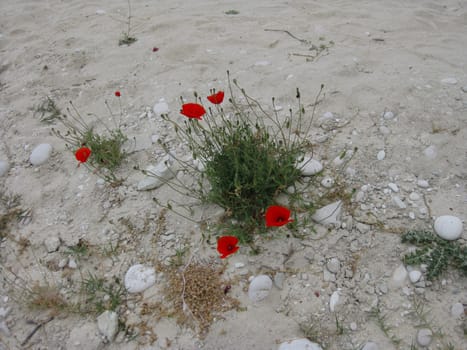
408, 58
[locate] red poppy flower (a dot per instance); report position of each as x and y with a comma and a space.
117, 93
82, 154
216, 98
155, 49
277, 216
227, 245
193, 110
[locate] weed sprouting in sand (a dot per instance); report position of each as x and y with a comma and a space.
48, 111
127, 38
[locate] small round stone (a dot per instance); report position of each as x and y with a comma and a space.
388, 115
327, 182
333, 265
457, 310
381, 155
424, 337
422, 183
415, 276
448, 227
4, 167
40, 154
299, 344
310, 166
414, 196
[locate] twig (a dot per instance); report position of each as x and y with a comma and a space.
38, 326
303, 41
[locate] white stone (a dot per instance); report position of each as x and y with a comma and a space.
457, 310
423, 183
333, 265
139, 278
4, 167
414, 196
384, 130
239, 265
464, 88
327, 115
40, 154
388, 115
398, 277
415, 276
72, 264
430, 152
353, 326
262, 63
160, 108
448, 227
449, 81
381, 155
309, 166
327, 182
299, 344
330, 214
412, 215
107, 323
259, 288
156, 176
100, 12
370, 346
52, 243
393, 187
424, 337
398, 202
333, 301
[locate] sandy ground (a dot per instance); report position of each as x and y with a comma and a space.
408, 58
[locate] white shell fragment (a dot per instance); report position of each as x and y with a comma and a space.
139, 278
448, 227
259, 288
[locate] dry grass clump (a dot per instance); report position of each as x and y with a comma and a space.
199, 294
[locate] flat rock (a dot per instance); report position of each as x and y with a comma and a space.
259, 288
107, 323
299, 344
4, 167
309, 166
279, 278
52, 243
448, 227
457, 310
449, 81
160, 108
370, 346
139, 278
40, 154
398, 277
330, 214
157, 175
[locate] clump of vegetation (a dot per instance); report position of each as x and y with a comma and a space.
232, 12
127, 38
48, 111
199, 293
438, 254
106, 148
101, 295
10, 212
246, 156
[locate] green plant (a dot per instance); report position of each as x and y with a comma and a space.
127, 38
381, 321
246, 157
231, 12
107, 152
100, 294
48, 111
438, 254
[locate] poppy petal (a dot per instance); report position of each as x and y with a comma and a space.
277, 215
82, 154
193, 110
216, 98
227, 245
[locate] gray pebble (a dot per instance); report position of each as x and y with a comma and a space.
457, 310
370, 346
107, 323
424, 337
328, 276
52, 243
279, 280
4, 167
333, 265
40, 154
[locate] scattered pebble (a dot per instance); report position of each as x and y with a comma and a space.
4, 167
414, 196
333, 265
309, 166
259, 288
334, 301
424, 337
107, 323
430, 152
353, 326
398, 202
399, 276
262, 63
384, 130
327, 182
40, 154
448, 227
449, 81
330, 214
72, 264
388, 115
139, 278
100, 12
464, 88
457, 310
52, 243
415, 276
161, 107
423, 183
393, 187
299, 344
381, 155
279, 278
